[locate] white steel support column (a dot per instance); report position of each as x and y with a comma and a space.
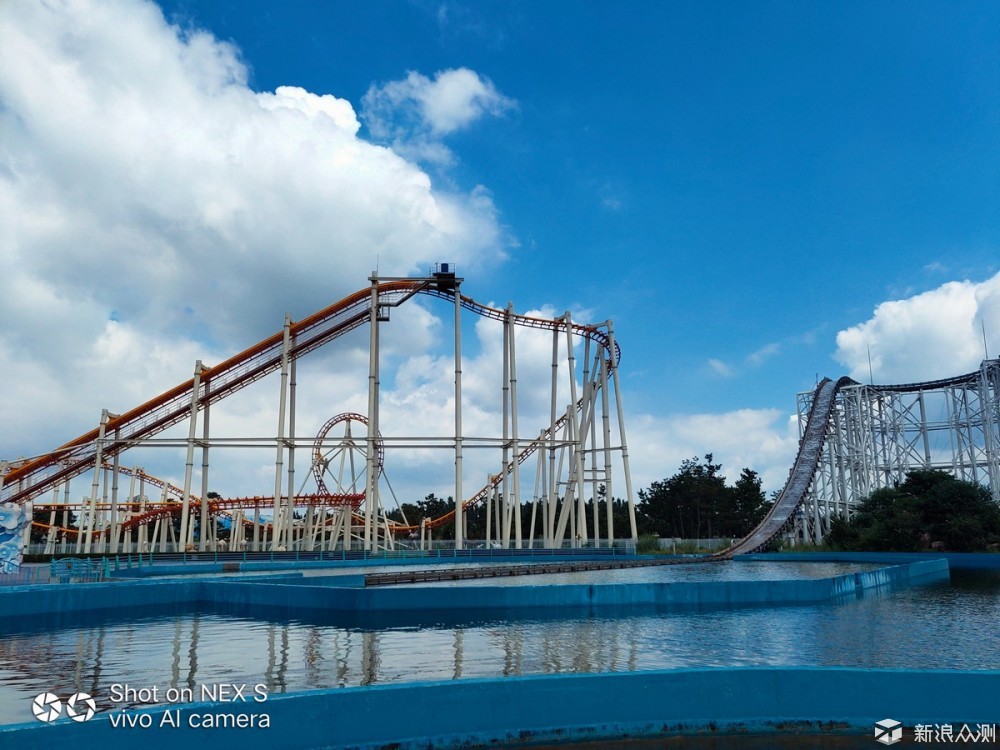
516, 448
587, 442
50, 536
498, 517
113, 530
550, 514
142, 538
100, 530
924, 437
504, 533
577, 438
129, 514
371, 483
590, 432
90, 514
189, 465
459, 512
280, 512
609, 497
291, 458
621, 429
989, 399
204, 536
539, 480
489, 517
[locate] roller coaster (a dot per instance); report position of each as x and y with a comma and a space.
574, 449
856, 438
853, 438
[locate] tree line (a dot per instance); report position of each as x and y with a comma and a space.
930, 509
694, 503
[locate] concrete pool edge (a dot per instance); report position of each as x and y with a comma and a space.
344, 594
565, 708
203, 563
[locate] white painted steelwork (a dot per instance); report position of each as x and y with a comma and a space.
570, 445
877, 433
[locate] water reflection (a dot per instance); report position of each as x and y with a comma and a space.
936, 626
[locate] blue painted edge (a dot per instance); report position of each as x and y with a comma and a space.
346, 594
558, 708
956, 560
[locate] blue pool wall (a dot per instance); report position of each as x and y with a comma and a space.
346, 594
561, 708
545, 708
956, 560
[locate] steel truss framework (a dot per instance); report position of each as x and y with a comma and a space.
573, 452
877, 433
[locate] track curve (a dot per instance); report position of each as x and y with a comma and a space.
122, 431
794, 492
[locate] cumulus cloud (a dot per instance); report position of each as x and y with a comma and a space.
416, 112
764, 440
932, 335
154, 208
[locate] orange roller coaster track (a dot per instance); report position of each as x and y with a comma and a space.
34, 477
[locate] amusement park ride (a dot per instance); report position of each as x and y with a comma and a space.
575, 453
854, 438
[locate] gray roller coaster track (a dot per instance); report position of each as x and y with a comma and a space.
810, 449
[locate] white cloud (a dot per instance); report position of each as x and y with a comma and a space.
931, 335
154, 209
416, 112
720, 368
764, 353
935, 267
764, 440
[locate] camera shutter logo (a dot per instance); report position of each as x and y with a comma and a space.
46, 707
888, 731
80, 707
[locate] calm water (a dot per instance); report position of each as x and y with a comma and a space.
950, 626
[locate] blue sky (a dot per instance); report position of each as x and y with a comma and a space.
756, 193
721, 179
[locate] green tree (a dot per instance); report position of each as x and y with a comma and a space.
929, 506
696, 503
430, 507
749, 504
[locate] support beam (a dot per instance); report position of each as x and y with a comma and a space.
189, 465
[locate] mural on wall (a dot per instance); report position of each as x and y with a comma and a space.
14, 522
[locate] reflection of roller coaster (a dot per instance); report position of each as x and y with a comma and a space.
576, 450
856, 438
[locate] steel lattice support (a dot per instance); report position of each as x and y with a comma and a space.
877, 433
578, 444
